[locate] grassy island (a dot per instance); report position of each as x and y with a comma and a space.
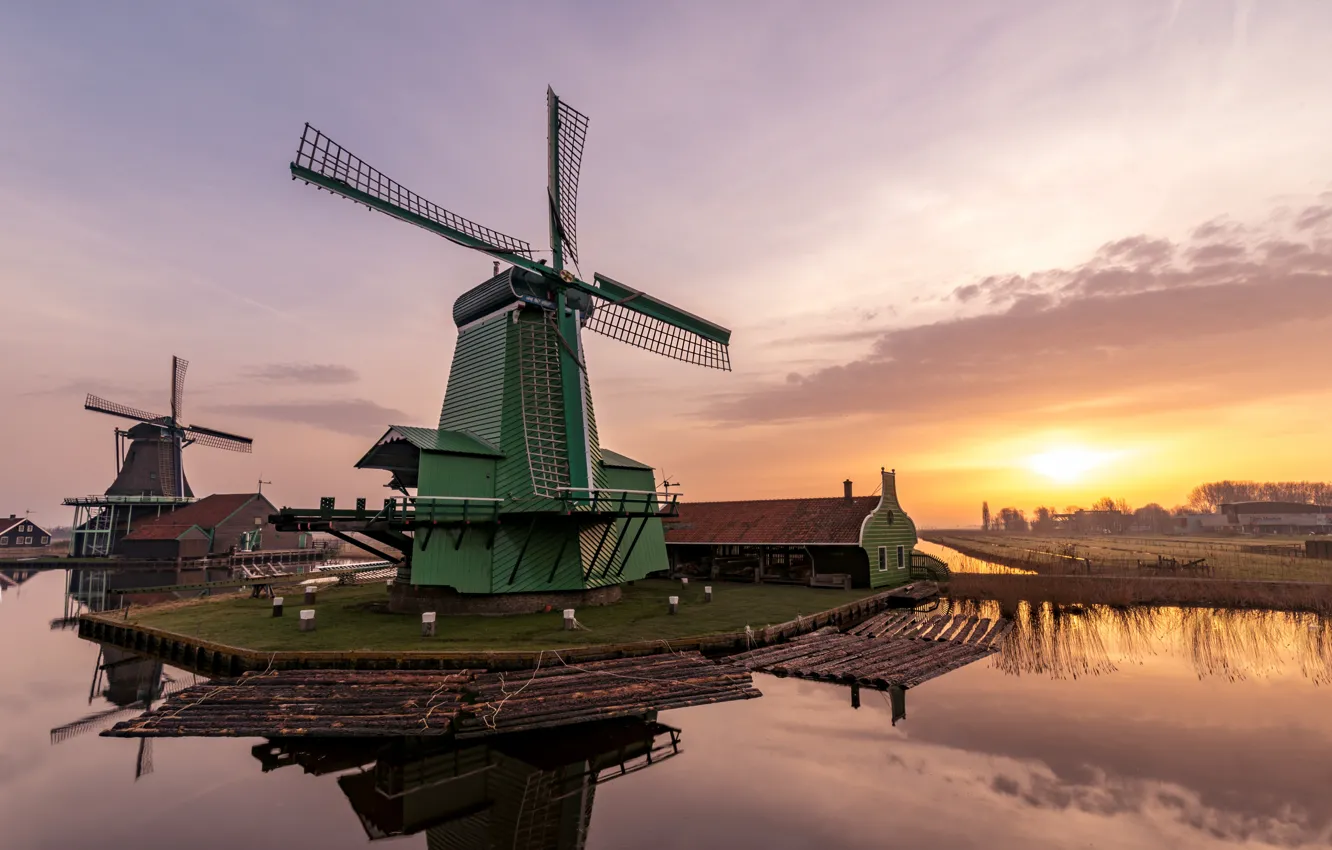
352, 618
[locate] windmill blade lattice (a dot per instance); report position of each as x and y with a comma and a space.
570, 128
218, 439
178, 367
629, 318
101, 405
329, 165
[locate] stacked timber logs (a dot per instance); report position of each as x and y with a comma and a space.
894, 648
560, 695
466, 703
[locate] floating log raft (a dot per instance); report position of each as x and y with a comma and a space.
895, 648
462, 703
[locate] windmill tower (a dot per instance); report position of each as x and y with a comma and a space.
150, 472
516, 450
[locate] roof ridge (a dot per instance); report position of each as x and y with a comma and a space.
778, 499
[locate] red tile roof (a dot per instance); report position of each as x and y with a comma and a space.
207, 513
771, 521
160, 530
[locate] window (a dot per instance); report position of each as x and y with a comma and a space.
883, 558
901, 557
45, 540
4, 541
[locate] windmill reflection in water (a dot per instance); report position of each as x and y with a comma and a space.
529, 789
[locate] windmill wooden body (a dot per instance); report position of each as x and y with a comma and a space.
150, 470
512, 491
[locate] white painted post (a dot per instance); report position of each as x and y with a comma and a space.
309, 594
277, 606
307, 619
684, 581
675, 604
569, 620
428, 624
707, 593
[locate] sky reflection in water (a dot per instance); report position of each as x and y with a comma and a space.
1095, 728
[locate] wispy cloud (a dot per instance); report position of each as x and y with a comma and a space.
1140, 312
304, 373
358, 417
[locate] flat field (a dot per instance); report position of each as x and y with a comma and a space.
348, 620
1229, 558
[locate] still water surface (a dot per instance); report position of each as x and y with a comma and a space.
1096, 728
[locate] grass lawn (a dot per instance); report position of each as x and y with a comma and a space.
345, 624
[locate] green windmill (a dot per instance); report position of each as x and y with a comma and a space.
512, 491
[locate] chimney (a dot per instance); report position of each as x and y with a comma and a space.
846, 489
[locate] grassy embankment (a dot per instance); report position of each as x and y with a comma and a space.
347, 619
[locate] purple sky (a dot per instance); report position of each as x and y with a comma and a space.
834, 181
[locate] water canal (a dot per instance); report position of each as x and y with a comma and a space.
1094, 728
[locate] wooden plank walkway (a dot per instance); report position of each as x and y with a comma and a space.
462, 703
894, 648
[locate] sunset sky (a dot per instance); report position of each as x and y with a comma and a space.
1029, 252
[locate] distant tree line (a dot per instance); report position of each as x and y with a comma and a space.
1206, 497
1117, 516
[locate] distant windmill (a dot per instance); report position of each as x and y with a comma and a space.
153, 464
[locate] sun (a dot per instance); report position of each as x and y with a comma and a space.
1067, 463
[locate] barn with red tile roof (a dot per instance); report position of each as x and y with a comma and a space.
863, 541
212, 525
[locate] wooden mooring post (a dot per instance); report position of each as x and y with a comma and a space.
707, 593
307, 619
428, 624
570, 622
277, 606
310, 594
675, 604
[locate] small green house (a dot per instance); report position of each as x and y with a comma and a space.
857, 541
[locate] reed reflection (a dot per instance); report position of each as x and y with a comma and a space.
1072, 641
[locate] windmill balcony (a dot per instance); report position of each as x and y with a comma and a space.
622, 503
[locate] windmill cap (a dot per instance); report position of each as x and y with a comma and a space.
510, 286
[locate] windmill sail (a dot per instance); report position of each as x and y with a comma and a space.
624, 313
327, 164
568, 129
218, 439
101, 405
178, 367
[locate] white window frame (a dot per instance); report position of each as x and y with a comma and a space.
46, 540
901, 557
883, 559
4, 541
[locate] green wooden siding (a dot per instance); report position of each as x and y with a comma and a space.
438, 557
474, 398
649, 554
888, 527
455, 475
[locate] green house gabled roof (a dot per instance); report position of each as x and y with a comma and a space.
438, 440
619, 461
399, 450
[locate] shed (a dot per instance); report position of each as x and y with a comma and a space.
223, 519
167, 540
867, 541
